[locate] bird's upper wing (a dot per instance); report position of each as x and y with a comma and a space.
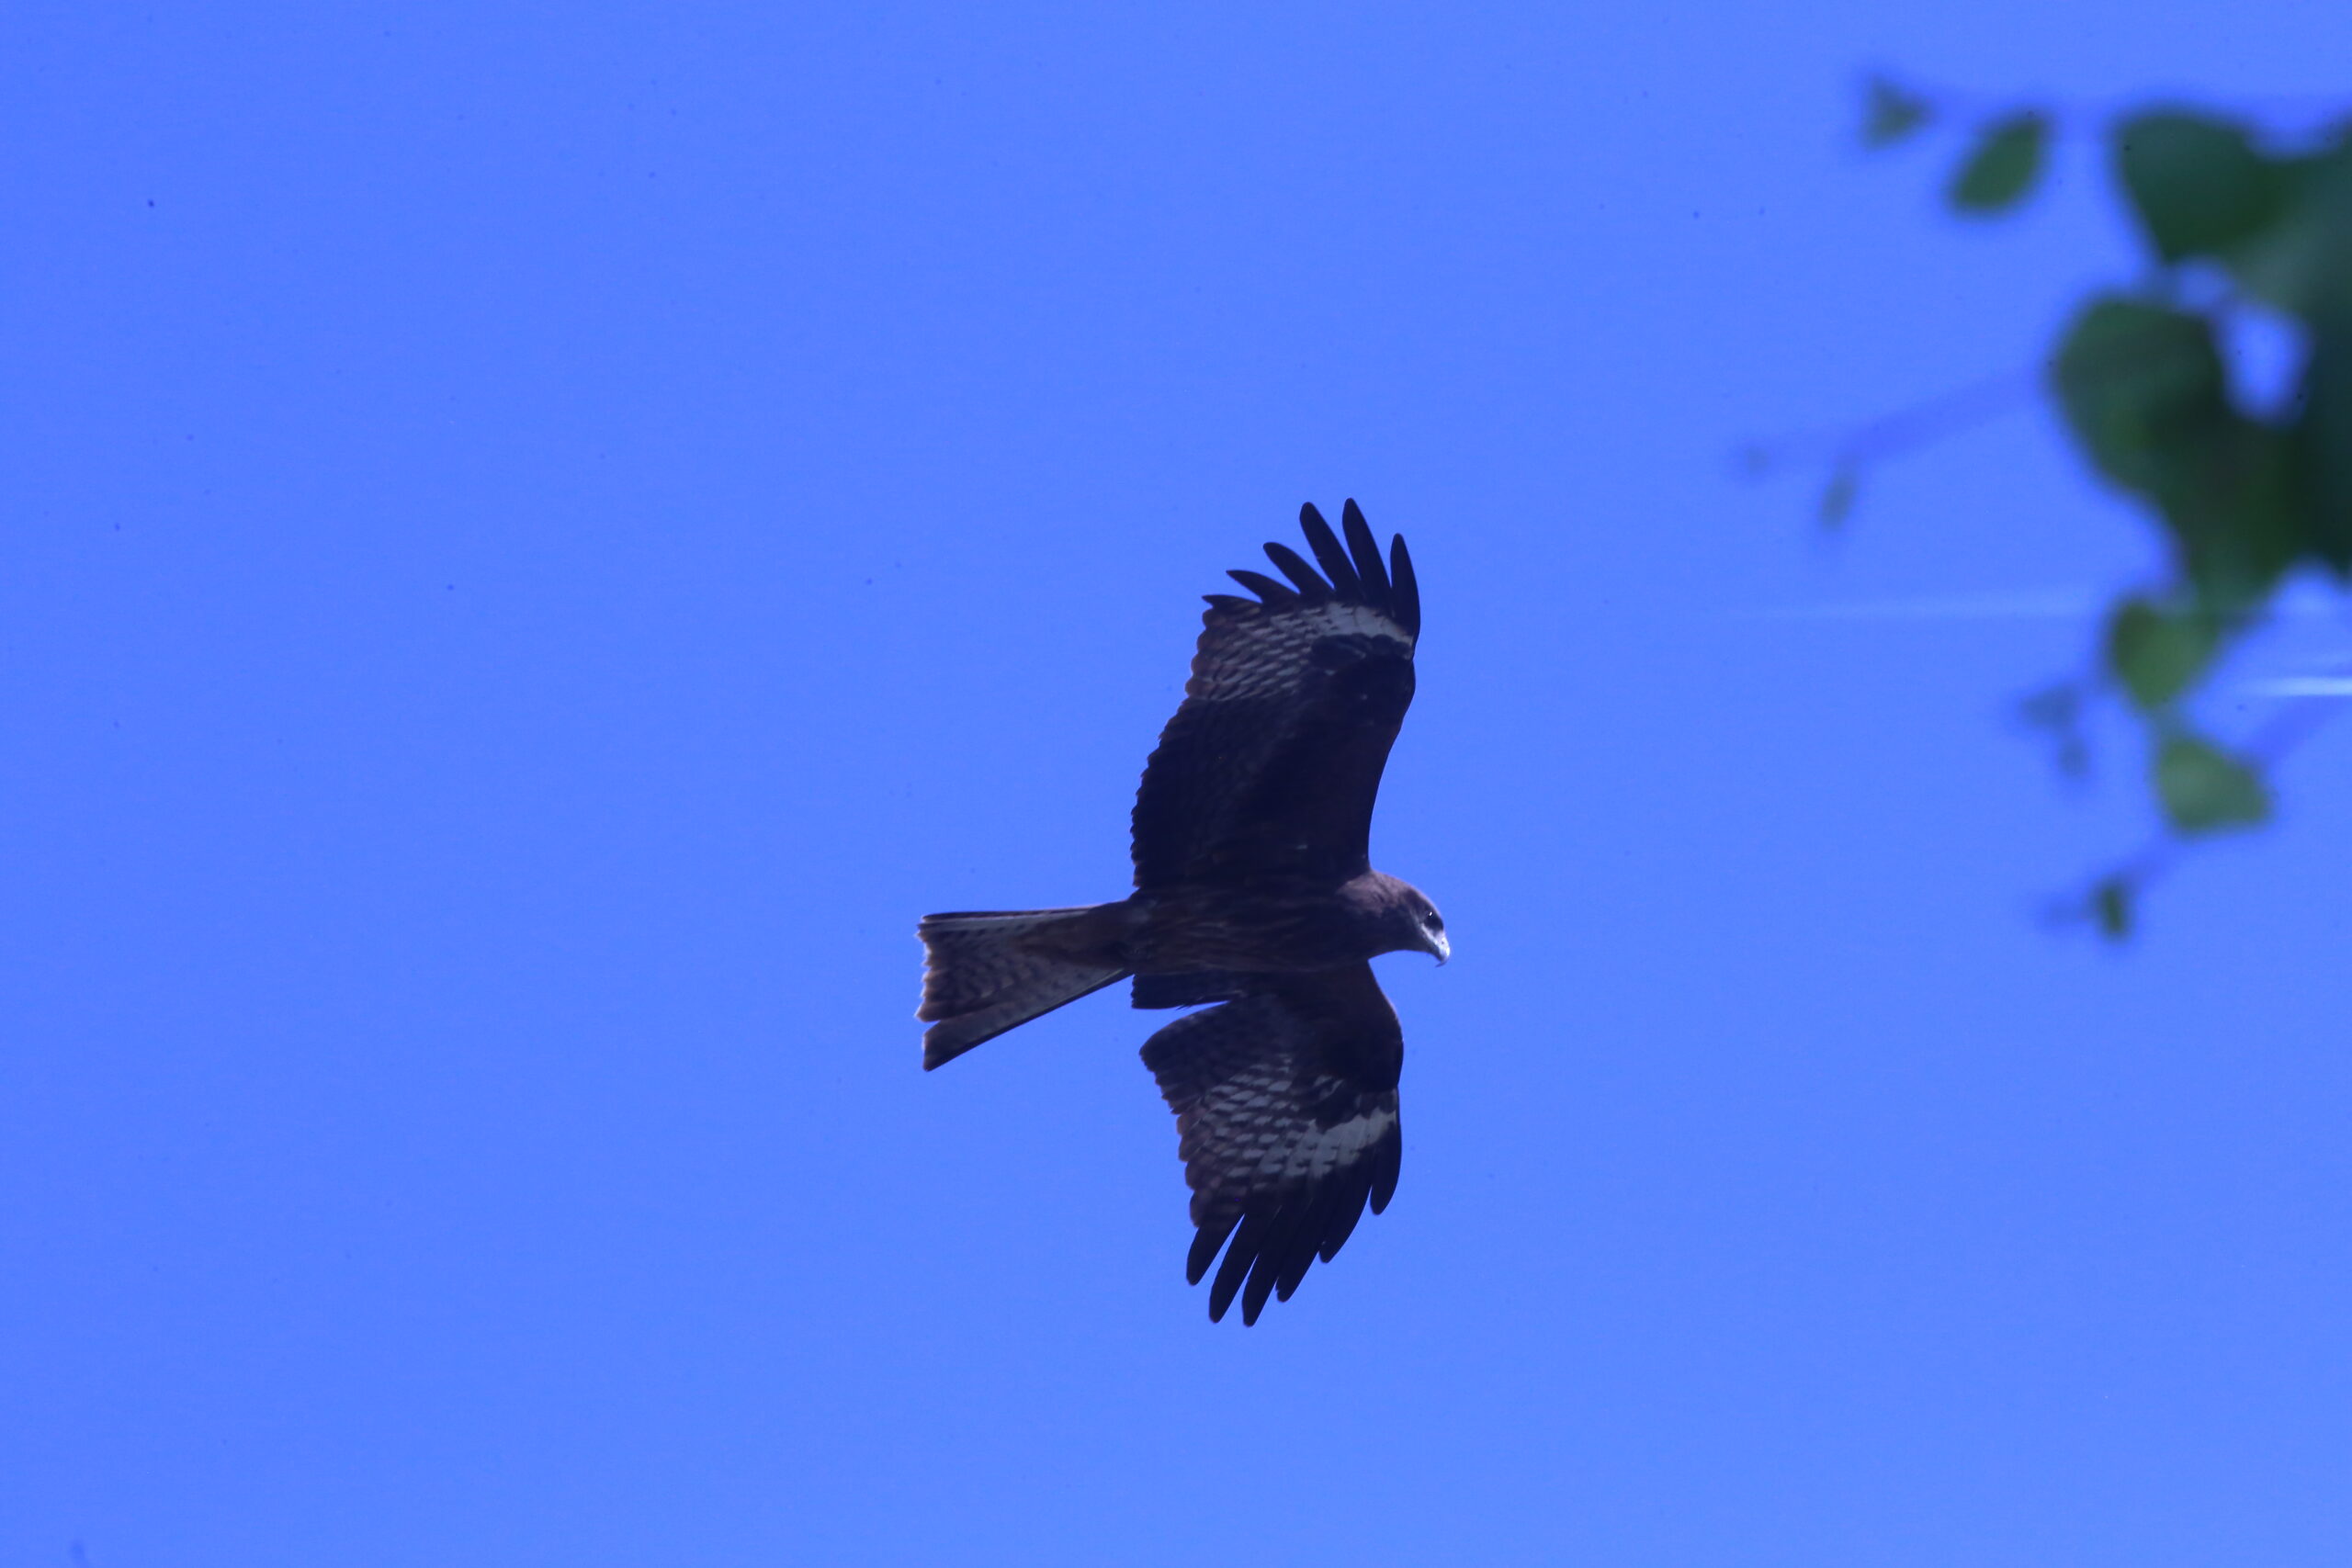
1285, 1103
1272, 763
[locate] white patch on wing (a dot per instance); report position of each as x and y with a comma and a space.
1261, 653
1325, 1150
1265, 1135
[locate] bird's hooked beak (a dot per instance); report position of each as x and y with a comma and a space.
1444, 949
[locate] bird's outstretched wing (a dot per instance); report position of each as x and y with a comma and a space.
1285, 1103
1272, 764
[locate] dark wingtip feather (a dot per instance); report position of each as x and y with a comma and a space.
1366, 551
1235, 1267
1346, 1214
1264, 587
1274, 1246
1229, 602
1318, 1220
1405, 589
1276, 1250
1311, 588
1262, 1282
1205, 1246
1390, 1157
1350, 571
1329, 555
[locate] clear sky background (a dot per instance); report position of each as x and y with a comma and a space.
538, 539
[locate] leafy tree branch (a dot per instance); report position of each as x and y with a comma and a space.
2231, 219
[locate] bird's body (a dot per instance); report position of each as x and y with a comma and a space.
1254, 891
1274, 926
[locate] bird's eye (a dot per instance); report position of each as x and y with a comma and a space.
1434, 922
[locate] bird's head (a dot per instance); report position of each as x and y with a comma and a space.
1428, 927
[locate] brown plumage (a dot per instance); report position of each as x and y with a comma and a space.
1254, 891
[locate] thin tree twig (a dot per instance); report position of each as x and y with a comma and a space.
2270, 744
1891, 435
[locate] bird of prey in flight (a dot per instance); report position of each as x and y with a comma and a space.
1254, 892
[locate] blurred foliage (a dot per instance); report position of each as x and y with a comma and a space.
2233, 222
2001, 171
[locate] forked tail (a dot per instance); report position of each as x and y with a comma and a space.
985, 971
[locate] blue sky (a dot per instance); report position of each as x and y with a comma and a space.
540, 539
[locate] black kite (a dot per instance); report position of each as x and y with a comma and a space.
1254, 891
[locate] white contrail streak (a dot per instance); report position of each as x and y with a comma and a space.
2057, 603
2296, 603
2300, 686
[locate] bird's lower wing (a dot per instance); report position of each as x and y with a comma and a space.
1286, 1104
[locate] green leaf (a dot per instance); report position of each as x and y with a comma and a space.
2111, 907
2302, 261
2002, 169
2198, 185
2159, 653
2234, 502
2206, 790
1838, 497
1892, 114
2136, 380
2322, 439
2142, 388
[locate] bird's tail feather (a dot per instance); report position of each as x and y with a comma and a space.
987, 971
